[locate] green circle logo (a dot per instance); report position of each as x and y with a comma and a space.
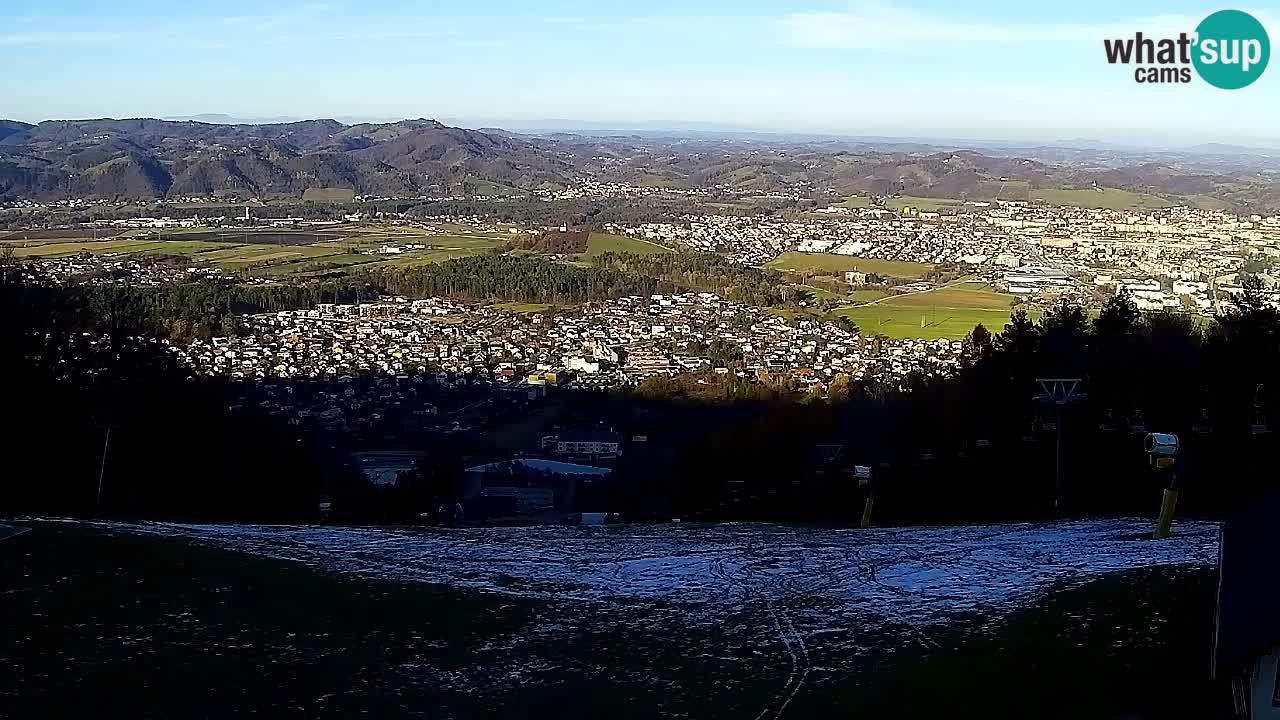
1232, 49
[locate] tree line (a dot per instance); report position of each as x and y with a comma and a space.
708, 272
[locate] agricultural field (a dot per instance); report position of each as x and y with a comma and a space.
1105, 199
831, 263
22, 236
277, 253
329, 195
605, 242
313, 265
116, 246
245, 256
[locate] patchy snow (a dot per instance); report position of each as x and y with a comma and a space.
912, 575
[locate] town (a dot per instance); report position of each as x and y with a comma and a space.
611, 344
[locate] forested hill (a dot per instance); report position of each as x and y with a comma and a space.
146, 158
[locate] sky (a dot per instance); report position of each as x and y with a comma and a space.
1006, 69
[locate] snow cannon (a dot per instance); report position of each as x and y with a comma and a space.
1161, 445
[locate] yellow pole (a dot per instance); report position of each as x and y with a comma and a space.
1168, 502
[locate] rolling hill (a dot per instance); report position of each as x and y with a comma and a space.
144, 158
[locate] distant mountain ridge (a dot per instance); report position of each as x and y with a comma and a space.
144, 158
147, 158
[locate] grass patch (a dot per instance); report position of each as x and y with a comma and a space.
600, 243
426, 257
1208, 202
828, 262
922, 204
988, 190
822, 293
857, 202
329, 195
1104, 199
866, 296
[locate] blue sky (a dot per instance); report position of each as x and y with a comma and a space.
1004, 69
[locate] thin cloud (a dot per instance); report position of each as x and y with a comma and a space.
882, 26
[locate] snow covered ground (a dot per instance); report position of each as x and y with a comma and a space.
914, 575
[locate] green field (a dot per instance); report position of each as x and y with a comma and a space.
923, 323
605, 242
828, 262
1106, 199
949, 313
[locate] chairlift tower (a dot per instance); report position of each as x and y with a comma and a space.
1058, 392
